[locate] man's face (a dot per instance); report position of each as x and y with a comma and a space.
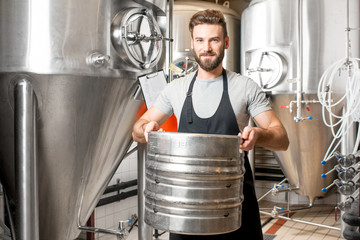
209, 44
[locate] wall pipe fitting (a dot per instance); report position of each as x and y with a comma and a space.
120, 186
116, 198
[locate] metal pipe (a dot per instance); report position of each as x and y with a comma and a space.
144, 230
268, 192
101, 230
348, 46
118, 233
120, 186
170, 60
299, 63
301, 221
116, 198
27, 209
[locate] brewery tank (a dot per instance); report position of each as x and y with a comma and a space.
285, 47
79, 61
182, 13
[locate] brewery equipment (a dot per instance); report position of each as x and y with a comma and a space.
286, 46
68, 101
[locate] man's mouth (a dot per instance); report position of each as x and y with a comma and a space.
207, 54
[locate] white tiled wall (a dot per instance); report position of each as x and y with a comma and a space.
109, 216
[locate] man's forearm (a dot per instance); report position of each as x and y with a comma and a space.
274, 139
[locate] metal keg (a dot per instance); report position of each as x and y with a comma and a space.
194, 183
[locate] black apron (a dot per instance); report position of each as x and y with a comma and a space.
223, 122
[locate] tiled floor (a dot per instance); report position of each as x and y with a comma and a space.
290, 230
280, 229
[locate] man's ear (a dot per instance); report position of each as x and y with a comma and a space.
192, 43
227, 43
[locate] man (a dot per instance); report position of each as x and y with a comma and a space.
216, 101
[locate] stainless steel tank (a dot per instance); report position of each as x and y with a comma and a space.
194, 183
80, 61
286, 47
183, 11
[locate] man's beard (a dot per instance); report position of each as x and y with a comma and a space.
208, 64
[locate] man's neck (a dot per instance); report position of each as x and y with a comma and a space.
210, 75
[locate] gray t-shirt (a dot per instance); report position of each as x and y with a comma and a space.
246, 97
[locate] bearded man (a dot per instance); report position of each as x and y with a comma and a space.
217, 101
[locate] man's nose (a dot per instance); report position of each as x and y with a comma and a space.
207, 46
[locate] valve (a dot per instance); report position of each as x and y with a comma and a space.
347, 188
345, 160
275, 212
336, 167
275, 190
347, 174
300, 119
123, 227
346, 204
336, 182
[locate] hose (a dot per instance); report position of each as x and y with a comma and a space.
330, 97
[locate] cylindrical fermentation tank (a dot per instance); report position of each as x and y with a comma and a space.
285, 47
80, 60
183, 11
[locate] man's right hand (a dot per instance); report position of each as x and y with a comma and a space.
151, 126
151, 120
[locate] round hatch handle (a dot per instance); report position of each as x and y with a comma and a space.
137, 38
267, 68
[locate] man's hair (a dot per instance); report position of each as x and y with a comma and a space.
209, 16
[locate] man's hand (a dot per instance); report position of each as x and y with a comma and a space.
268, 133
248, 138
151, 126
151, 120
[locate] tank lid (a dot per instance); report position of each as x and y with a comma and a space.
194, 6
